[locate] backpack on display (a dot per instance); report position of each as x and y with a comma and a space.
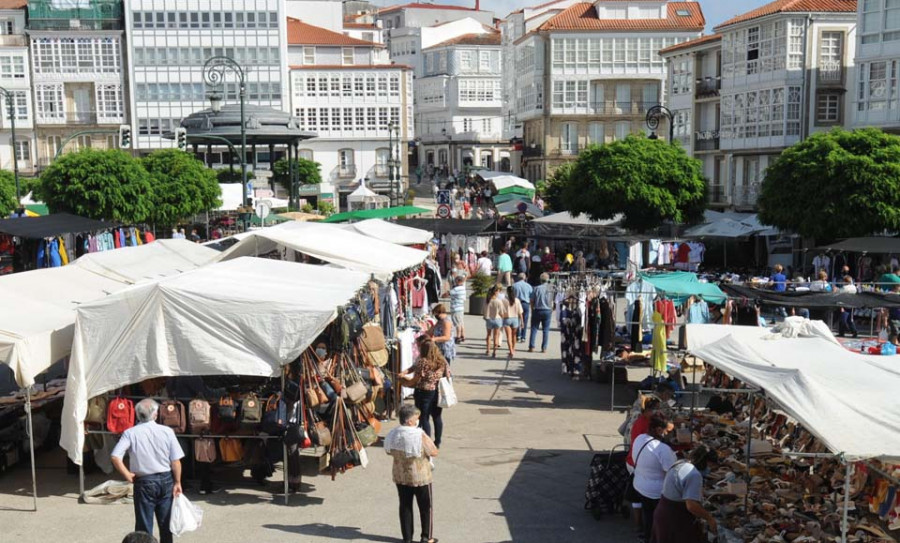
119, 415
251, 410
227, 409
198, 416
205, 450
171, 414
96, 410
231, 450
274, 420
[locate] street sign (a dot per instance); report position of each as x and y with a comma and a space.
262, 209
443, 197
443, 211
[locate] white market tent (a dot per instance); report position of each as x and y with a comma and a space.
729, 225
847, 400
329, 243
248, 316
502, 182
365, 198
390, 232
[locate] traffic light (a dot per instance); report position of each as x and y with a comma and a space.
124, 136
181, 138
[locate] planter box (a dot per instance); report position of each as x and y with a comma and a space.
476, 305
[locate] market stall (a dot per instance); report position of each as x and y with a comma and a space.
390, 232
804, 406
247, 317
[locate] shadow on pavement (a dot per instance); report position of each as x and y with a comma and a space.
332, 532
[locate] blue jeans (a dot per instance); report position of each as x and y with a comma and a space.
526, 313
540, 317
427, 402
153, 496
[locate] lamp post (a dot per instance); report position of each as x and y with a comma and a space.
653, 116
214, 72
393, 161
11, 109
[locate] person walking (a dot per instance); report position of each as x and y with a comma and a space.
681, 505
541, 313
154, 469
428, 370
493, 320
442, 332
523, 293
512, 317
652, 460
504, 268
484, 266
458, 308
412, 451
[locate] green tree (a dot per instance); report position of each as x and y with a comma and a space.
7, 194
228, 176
182, 186
553, 188
835, 184
97, 184
309, 172
648, 181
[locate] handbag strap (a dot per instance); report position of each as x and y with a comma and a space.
642, 450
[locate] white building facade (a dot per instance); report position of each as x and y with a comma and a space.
171, 40
875, 94
459, 105
78, 74
15, 77
587, 75
786, 71
348, 93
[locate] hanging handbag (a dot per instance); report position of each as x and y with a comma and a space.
310, 386
96, 410
274, 420
205, 450
372, 338
356, 389
171, 414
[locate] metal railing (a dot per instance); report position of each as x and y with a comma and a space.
717, 195
707, 140
615, 107
745, 196
346, 171
831, 72
382, 170
532, 151
708, 87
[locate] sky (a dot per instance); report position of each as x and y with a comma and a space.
715, 11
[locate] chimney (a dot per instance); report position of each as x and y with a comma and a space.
477, 5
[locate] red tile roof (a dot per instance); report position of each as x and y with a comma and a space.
583, 16
13, 4
418, 5
539, 6
691, 43
794, 6
489, 38
300, 33
352, 67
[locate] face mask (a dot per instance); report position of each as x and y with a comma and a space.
321, 353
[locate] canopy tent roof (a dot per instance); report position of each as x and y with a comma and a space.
505, 183
249, 316
264, 126
382, 213
47, 226
329, 243
232, 196
489, 174
680, 285
729, 225
512, 207
503, 198
390, 232
464, 227
815, 299
846, 400
37, 331
362, 192
866, 245
564, 225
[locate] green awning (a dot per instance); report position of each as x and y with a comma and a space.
516, 190
503, 198
40, 209
273, 218
382, 213
679, 286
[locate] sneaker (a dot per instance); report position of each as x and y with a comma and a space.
213, 490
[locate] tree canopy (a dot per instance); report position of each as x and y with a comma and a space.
182, 186
553, 188
7, 194
835, 184
648, 181
97, 184
308, 170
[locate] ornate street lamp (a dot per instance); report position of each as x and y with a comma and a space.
653, 116
214, 72
11, 108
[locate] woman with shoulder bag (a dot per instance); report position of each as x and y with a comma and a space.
512, 316
442, 332
652, 460
428, 370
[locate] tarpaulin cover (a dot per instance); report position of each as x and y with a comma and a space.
462, 227
383, 213
728, 225
36, 327
564, 225
811, 299
847, 400
329, 243
47, 226
678, 286
701, 335
513, 207
248, 317
390, 232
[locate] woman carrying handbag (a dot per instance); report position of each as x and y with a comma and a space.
427, 371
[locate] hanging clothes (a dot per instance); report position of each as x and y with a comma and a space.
149, 237
120, 239
607, 325
659, 342
53, 253
571, 339
41, 260
646, 292
63, 254
698, 312
666, 308
635, 324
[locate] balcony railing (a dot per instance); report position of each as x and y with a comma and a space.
13, 40
831, 72
620, 107
717, 195
348, 170
532, 151
746, 196
707, 140
382, 170
708, 87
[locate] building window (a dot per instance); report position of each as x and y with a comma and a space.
484, 61
23, 150
828, 108
50, 102
109, 100
596, 135
568, 138
871, 21
877, 81
7, 27
467, 61
382, 158
309, 55
681, 77
12, 67
570, 94
305, 154
623, 129
345, 162
831, 56
795, 44
347, 56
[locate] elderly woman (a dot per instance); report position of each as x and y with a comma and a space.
681, 507
412, 451
653, 458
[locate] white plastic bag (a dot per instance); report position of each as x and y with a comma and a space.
186, 517
446, 394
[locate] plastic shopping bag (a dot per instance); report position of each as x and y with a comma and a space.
446, 394
186, 517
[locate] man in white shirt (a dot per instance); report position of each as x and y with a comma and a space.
484, 266
154, 469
